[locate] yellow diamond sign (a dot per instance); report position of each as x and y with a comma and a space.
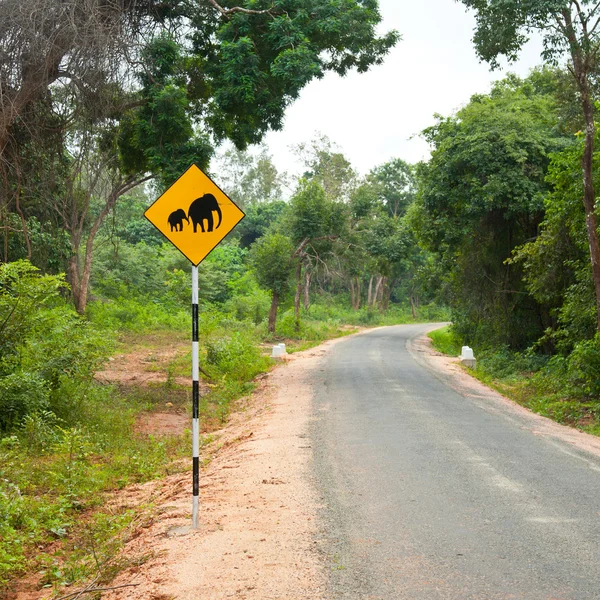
194, 215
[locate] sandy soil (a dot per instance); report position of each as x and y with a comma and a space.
256, 539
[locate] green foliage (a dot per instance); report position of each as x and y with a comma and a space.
445, 340
49, 352
51, 470
235, 356
259, 218
251, 180
326, 166
556, 264
131, 314
583, 367
312, 214
394, 185
271, 258
503, 25
159, 136
481, 195
256, 64
248, 301
21, 394
565, 389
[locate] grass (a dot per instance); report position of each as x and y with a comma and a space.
45, 496
445, 341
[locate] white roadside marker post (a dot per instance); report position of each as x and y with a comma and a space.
195, 402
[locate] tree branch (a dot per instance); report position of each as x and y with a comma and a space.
226, 12
94, 590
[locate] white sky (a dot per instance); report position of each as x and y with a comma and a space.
373, 116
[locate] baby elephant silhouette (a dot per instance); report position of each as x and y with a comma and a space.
202, 209
176, 219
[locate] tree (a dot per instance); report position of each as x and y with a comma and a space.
327, 166
151, 83
272, 259
153, 140
556, 264
249, 179
258, 220
313, 221
482, 196
394, 183
570, 27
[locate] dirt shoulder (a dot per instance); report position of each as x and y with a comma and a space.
258, 514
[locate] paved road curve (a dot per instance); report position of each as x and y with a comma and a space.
431, 495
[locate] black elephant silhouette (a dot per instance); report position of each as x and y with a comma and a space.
201, 209
177, 218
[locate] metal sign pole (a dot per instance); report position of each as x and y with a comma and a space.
195, 401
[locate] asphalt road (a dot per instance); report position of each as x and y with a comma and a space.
432, 495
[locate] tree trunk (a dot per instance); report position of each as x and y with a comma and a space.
377, 295
370, 293
307, 278
412, 307
273, 312
298, 294
589, 200
581, 70
387, 292
358, 294
352, 293
80, 279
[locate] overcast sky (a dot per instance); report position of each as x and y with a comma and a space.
376, 116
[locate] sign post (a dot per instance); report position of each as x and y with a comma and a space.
195, 215
195, 401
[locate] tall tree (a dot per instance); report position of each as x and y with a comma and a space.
394, 183
272, 259
482, 195
312, 222
240, 66
249, 178
327, 165
570, 27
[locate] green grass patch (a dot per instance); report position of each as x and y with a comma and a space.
445, 341
52, 474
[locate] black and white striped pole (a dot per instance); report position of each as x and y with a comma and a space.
195, 402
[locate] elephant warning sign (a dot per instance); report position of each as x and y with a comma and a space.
194, 215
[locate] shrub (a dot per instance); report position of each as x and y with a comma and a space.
20, 395
236, 357
137, 314
583, 368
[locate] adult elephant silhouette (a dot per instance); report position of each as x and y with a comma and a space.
177, 218
201, 209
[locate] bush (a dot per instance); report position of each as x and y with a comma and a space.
138, 314
583, 369
21, 394
49, 352
236, 357
446, 341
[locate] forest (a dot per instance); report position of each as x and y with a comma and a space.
104, 104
